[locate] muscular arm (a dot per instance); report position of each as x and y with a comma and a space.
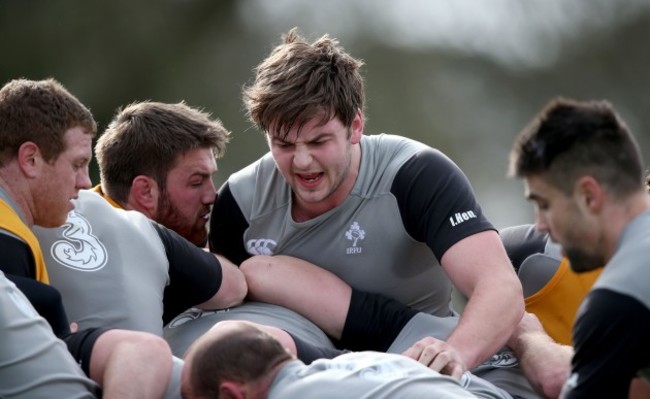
479, 267
438, 207
309, 290
357, 320
545, 363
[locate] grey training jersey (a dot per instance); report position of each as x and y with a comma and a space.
373, 375
409, 204
34, 364
191, 324
90, 261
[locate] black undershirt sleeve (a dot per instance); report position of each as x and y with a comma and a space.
308, 352
17, 263
522, 241
611, 344
15, 257
227, 227
194, 274
437, 202
373, 322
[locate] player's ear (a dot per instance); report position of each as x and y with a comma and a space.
590, 193
144, 195
356, 128
232, 390
30, 158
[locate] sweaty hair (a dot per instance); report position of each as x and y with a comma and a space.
570, 139
299, 81
146, 138
245, 356
40, 112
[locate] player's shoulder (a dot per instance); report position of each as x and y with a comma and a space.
521, 241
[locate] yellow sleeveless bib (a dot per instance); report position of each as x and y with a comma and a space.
11, 222
556, 304
98, 190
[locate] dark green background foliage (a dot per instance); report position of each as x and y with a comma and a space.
462, 76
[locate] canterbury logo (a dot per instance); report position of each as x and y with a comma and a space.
79, 249
261, 246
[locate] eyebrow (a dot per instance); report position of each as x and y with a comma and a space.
202, 174
318, 137
534, 197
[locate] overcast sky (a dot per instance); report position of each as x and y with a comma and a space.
512, 32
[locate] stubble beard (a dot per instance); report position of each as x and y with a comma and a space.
582, 262
170, 216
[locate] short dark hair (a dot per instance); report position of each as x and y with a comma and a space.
41, 112
301, 80
568, 139
146, 138
246, 355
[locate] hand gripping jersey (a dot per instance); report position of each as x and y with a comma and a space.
501, 370
365, 375
33, 362
12, 223
409, 204
613, 324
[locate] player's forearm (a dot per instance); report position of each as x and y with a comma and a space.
315, 293
545, 363
233, 287
487, 321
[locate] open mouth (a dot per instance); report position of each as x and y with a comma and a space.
309, 179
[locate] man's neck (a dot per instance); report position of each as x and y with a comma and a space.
620, 215
263, 385
12, 196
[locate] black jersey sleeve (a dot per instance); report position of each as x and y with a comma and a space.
17, 262
522, 241
611, 345
373, 321
194, 274
436, 201
227, 227
15, 257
